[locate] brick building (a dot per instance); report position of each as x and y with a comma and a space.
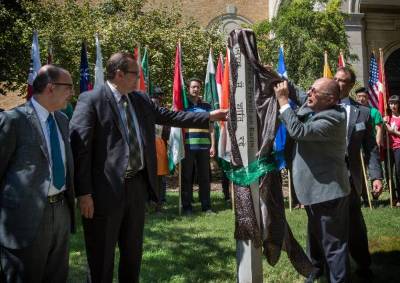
227, 14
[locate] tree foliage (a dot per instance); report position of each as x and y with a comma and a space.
305, 32
121, 25
13, 52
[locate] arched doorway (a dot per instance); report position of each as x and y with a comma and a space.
229, 21
392, 72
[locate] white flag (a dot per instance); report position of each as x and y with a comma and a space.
35, 62
98, 69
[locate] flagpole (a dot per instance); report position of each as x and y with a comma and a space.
179, 188
365, 180
387, 134
290, 189
232, 197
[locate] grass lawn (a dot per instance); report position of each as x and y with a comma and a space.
201, 248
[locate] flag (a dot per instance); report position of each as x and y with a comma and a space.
224, 143
280, 137
50, 55
34, 64
146, 71
341, 62
382, 95
327, 70
84, 84
281, 64
98, 69
176, 150
218, 77
141, 86
373, 85
210, 88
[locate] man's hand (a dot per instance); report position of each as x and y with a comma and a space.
86, 206
212, 152
377, 188
219, 115
282, 93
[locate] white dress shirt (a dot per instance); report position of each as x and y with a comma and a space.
43, 114
345, 102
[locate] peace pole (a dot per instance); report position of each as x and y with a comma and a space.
248, 257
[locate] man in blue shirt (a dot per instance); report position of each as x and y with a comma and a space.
199, 147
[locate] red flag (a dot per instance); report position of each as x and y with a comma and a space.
141, 86
179, 101
341, 62
225, 83
219, 78
382, 97
224, 142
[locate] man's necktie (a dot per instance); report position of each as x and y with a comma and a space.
135, 161
57, 164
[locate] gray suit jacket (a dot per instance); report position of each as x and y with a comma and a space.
25, 174
319, 168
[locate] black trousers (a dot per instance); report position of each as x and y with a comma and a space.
396, 158
123, 226
358, 240
327, 238
46, 259
200, 158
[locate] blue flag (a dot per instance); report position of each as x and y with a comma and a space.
85, 84
280, 138
281, 64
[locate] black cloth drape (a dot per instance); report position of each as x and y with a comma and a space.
275, 233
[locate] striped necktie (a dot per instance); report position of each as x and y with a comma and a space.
135, 161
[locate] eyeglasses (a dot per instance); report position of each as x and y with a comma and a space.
341, 80
66, 84
313, 90
131, 72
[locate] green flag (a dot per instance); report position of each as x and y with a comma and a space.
210, 88
146, 71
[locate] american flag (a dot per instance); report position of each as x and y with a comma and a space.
373, 82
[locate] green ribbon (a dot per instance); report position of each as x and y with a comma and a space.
244, 176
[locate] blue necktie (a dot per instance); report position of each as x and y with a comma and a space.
56, 158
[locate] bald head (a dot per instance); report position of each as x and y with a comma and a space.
323, 94
329, 86
47, 74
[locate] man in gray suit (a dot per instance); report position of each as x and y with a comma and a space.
359, 135
320, 174
36, 183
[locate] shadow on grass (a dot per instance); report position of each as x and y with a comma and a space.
385, 265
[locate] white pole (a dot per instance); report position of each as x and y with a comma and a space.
248, 257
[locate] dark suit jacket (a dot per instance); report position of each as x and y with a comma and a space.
319, 168
360, 134
100, 148
25, 174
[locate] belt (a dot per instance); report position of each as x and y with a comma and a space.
130, 174
55, 198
